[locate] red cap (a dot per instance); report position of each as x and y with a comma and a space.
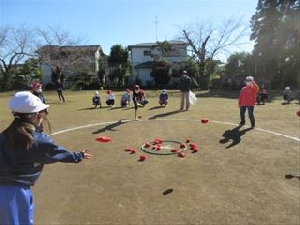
181, 154
193, 146
36, 86
103, 139
182, 145
158, 141
142, 158
204, 120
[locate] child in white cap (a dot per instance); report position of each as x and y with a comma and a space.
23, 154
163, 98
96, 100
287, 95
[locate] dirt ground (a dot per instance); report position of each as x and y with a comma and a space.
238, 176
239, 185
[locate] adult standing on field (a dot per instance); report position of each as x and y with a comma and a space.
59, 88
184, 87
23, 154
247, 100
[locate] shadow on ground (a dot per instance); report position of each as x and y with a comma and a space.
156, 107
164, 114
234, 135
111, 127
290, 176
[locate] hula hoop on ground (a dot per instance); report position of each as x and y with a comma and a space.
155, 152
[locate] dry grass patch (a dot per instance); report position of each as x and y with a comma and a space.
242, 184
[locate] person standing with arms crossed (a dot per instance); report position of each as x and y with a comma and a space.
23, 154
247, 100
184, 87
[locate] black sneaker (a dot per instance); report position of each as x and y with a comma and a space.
242, 123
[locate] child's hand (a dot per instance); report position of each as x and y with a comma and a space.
86, 154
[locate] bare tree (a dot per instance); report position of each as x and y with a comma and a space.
59, 50
207, 40
15, 47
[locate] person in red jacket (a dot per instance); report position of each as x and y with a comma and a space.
247, 100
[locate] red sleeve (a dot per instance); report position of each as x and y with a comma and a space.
255, 87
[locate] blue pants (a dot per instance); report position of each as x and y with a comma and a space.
16, 205
250, 114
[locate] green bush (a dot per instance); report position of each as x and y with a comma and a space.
94, 85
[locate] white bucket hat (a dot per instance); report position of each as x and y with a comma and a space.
26, 102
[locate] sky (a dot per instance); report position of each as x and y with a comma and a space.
124, 22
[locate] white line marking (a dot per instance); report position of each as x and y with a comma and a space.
212, 121
263, 130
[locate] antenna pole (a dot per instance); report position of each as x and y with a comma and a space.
156, 22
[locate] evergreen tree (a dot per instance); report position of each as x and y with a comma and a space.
276, 31
118, 59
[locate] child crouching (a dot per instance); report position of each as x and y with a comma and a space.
96, 100
163, 98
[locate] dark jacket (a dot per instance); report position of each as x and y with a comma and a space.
185, 83
59, 86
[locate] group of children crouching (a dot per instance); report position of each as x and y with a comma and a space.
139, 97
288, 96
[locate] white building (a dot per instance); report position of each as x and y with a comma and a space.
143, 56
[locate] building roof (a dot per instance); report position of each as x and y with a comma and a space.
92, 48
142, 45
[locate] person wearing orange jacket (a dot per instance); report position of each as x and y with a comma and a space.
247, 100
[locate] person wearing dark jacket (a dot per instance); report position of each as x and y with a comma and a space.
23, 154
59, 89
184, 87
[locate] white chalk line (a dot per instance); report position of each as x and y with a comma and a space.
211, 121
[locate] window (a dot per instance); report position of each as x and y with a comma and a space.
147, 52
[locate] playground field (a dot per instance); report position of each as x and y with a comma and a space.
238, 175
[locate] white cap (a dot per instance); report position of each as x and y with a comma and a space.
96, 93
26, 102
287, 88
249, 78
